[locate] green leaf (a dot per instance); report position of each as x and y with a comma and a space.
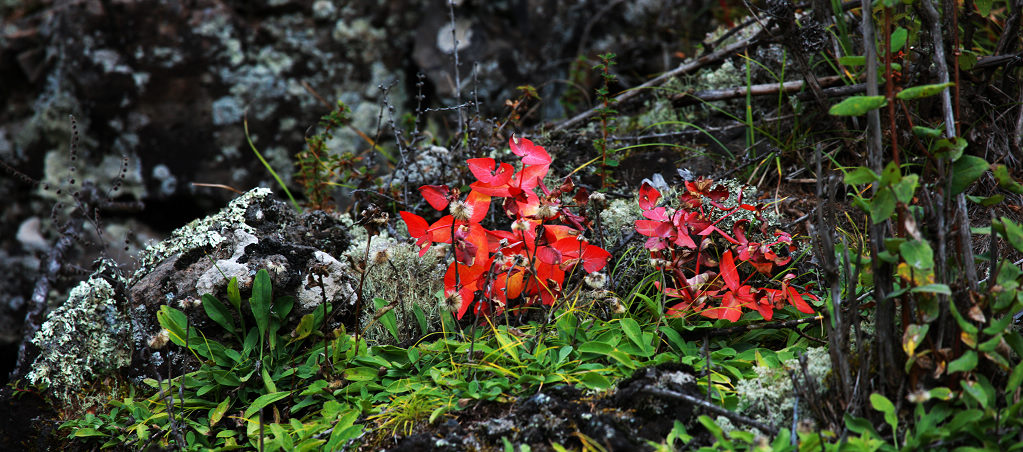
594, 380
912, 337
950, 148
899, 39
174, 321
988, 201
921, 91
890, 174
1015, 379
88, 433
966, 170
926, 132
389, 320
233, 295
917, 254
941, 289
857, 105
882, 205
976, 390
303, 329
260, 303
1013, 233
861, 175
852, 60
964, 363
267, 381
905, 188
264, 400
217, 413
984, 7
1006, 181
633, 331
882, 404
218, 312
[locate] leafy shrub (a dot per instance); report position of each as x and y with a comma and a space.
687, 244
492, 268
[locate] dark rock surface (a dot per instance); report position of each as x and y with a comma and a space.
623, 419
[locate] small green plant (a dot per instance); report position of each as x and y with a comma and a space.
606, 114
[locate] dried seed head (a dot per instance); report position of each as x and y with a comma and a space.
596, 280
452, 302
461, 211
380, 256
159, 339
547, 211
598, 197
520, 225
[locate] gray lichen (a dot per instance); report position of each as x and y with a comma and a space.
770, 397
83, 338
209, 231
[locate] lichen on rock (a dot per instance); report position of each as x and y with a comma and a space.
83, 338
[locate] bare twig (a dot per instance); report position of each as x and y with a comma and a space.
765, 89
683, 69
731, 415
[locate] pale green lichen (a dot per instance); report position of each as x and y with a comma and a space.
83, 338
619, 216
209, 231
396, 273
770, 397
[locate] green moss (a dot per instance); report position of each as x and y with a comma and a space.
84, 338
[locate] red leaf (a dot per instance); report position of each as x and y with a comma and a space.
651, 228
728, 272
415, 223
480, 204
594, 258
531, 154
648, 196
437, 195
483, 169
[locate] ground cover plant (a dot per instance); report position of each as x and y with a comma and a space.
845, 276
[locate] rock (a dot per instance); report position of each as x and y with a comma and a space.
253, 232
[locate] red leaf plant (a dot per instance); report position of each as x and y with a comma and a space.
525, 265
703, 271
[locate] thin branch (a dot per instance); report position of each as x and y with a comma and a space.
731, 415
683, 69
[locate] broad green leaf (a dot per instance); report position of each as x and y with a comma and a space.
966, 170
264, 400
857, 105
964, 363
917, 254
861, 175
882, 205
984, 7
950, 148
899, 39
890, 174
217, 413
1015, 379
918, 92
975, 390
941, 289
633, 331
882, 404
218, 312
1013, 233
926, 132
905, 188
88, 432
303, 329
1006, 181
988, 201
912, 337
594, 380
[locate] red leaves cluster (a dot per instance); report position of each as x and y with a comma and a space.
704, 278
527, 264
